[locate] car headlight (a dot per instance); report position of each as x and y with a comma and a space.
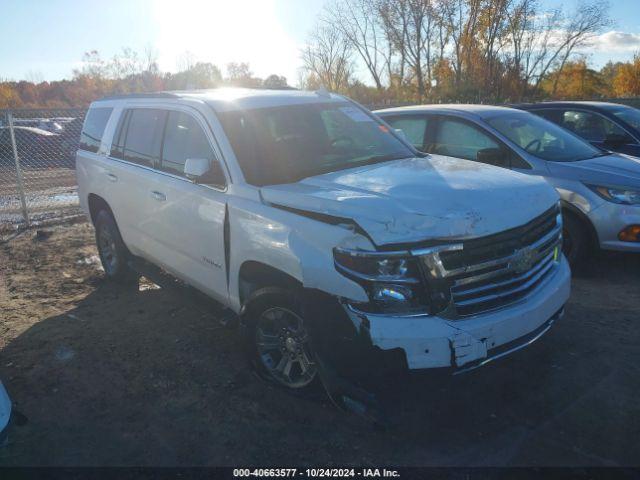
621, 195
392, 280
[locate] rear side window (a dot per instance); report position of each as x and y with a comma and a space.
93, 128
457, 139
117, 146
414, 128
183, 138
143, 137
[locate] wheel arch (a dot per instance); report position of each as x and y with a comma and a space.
254, 275
569, 209
97, 203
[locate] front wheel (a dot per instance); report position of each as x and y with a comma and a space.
277, 341
575, 240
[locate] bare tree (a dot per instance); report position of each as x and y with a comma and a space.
588, 20
93, 66
125, 64
186, 61
485, 48
328, 57
359, 25
411, 25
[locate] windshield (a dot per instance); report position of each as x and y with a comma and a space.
286, 144
542, 138
629, 115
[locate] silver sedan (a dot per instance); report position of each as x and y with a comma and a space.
600, 190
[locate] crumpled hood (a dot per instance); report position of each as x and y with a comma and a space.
614, 169
417, 199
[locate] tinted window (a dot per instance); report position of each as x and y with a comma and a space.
117, 146
414, 128
286, 144
93, 128
461, 140
548, 114
629, 115
590, 126
183, 138
144, 136
541, 138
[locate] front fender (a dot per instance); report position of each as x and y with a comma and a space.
298, 246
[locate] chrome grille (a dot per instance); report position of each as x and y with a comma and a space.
491, 272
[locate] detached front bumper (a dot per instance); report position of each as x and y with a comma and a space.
609, 219
435, 342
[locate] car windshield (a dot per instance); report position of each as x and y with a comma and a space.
629, 115
542, 138
286, 144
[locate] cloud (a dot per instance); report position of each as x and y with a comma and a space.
614, 41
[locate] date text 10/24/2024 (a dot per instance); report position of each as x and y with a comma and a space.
316, 472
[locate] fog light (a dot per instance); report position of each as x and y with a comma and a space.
630, 234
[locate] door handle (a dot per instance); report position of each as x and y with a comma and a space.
112, 177
161, 197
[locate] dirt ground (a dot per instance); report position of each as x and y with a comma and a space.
107, 377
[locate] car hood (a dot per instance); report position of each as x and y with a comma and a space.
614, 169
420, 199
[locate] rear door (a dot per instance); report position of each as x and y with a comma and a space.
135, 152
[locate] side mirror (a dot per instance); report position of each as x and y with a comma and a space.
493, 156
194, 168
204, 171
615, 139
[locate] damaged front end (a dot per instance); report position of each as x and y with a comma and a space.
455, 306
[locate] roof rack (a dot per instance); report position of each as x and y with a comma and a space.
180, 93
141, 95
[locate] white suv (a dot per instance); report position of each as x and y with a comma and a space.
341, 248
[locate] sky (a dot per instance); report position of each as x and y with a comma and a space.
45, 39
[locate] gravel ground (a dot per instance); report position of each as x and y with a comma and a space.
107, 377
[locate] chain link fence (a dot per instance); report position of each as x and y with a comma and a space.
37, 166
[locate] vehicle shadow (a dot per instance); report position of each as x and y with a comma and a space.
143, 378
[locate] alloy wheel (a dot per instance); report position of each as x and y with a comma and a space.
283, 347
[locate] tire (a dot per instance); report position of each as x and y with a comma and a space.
112, 250
276, 341
575, 239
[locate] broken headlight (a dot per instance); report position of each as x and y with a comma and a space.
391, 279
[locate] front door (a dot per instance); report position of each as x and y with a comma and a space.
187, 219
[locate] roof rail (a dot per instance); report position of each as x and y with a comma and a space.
141, 95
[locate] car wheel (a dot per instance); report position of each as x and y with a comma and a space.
575, 240
112, 250
277, 341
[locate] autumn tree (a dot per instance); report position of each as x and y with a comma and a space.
575, 80
626, 82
